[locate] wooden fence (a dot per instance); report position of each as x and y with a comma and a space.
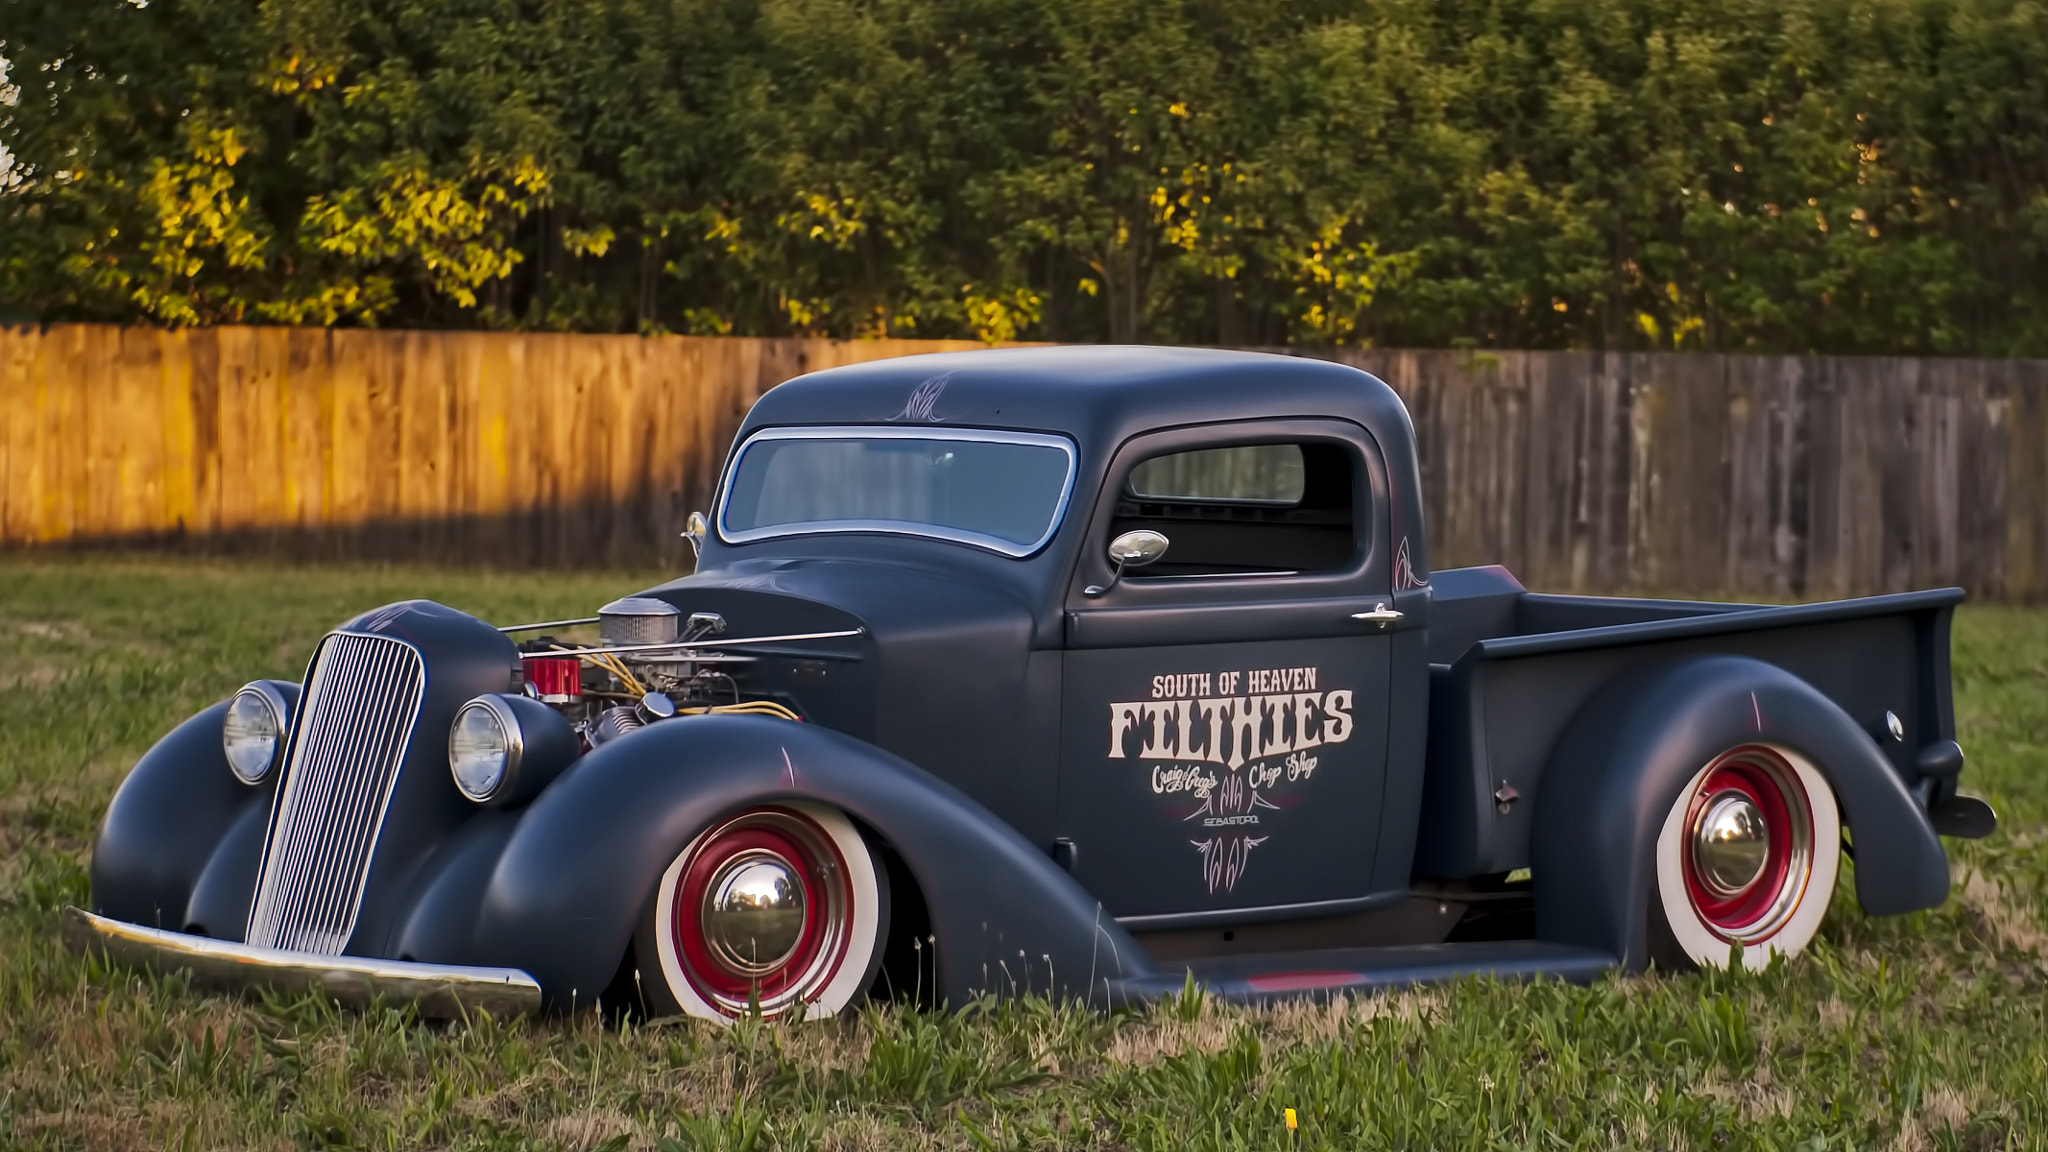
1803, 476
1800, 476
448, 446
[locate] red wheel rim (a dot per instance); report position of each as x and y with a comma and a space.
1746, 786
794, 846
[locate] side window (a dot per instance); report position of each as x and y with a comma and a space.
1260, 509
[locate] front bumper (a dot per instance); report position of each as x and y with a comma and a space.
437, 990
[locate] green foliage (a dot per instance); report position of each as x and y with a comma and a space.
1927, 1031
1788, 175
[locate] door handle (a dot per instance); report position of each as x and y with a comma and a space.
1380, 615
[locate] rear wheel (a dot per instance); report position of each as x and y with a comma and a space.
779, 906
1746, 859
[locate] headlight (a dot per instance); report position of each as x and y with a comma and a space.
483, 747
253, 732
503, 749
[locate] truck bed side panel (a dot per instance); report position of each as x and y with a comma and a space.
1498, 712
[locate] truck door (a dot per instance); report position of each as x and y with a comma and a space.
1224, 726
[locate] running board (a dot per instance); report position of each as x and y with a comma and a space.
1326, 972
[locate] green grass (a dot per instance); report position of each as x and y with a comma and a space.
1925, 1031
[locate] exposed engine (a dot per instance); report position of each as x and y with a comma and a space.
651, 664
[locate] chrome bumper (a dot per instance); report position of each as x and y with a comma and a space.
438, 990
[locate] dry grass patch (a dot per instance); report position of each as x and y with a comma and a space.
2011, 922
1147, 1039
1757, 1099
580, 1131
869, 1133
818, 1048
1329, 1021
1951, 1107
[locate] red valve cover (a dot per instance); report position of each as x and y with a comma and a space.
557, 679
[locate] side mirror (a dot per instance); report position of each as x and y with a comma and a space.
693, 530
1130, 550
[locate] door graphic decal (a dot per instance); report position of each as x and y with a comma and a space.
1224, 749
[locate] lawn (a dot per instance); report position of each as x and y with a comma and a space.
1925, 1031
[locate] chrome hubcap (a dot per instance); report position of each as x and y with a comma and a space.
1730, 844
753, 916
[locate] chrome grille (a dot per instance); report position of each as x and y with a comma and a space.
348, 743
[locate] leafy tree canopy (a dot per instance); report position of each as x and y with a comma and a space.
1828, 175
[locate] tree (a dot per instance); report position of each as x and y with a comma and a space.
1828, 175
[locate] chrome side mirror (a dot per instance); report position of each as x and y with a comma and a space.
693, 530
1130, 550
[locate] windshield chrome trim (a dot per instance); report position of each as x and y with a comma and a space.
901, 527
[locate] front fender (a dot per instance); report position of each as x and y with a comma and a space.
166, 823
1632, 749
566, 893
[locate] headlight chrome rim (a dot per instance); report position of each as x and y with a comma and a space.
255, 705
511, 746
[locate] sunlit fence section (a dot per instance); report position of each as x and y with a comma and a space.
1772, 475
508, 448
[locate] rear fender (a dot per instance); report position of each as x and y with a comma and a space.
566, 894
1634, 747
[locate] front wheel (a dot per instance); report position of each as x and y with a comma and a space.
779, 907
1746, 859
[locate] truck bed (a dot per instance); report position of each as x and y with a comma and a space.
1509, 669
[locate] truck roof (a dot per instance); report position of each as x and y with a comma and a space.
1098, 395
1101, 397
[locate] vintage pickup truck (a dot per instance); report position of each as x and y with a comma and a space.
1080, 672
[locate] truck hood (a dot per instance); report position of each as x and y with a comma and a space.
944, 675
892, 602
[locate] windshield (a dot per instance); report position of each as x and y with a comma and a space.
999, 490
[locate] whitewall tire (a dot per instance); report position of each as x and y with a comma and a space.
1746, 858
779, 907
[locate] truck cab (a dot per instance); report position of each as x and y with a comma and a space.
1233, 725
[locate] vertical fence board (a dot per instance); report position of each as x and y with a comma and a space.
139, 504
174, 433
17, 347
1827, 472
1535, 505
1747, 450
1983, 421
1687, 452
57, 407
74, 497
304, 466
350, 475
2027, 492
